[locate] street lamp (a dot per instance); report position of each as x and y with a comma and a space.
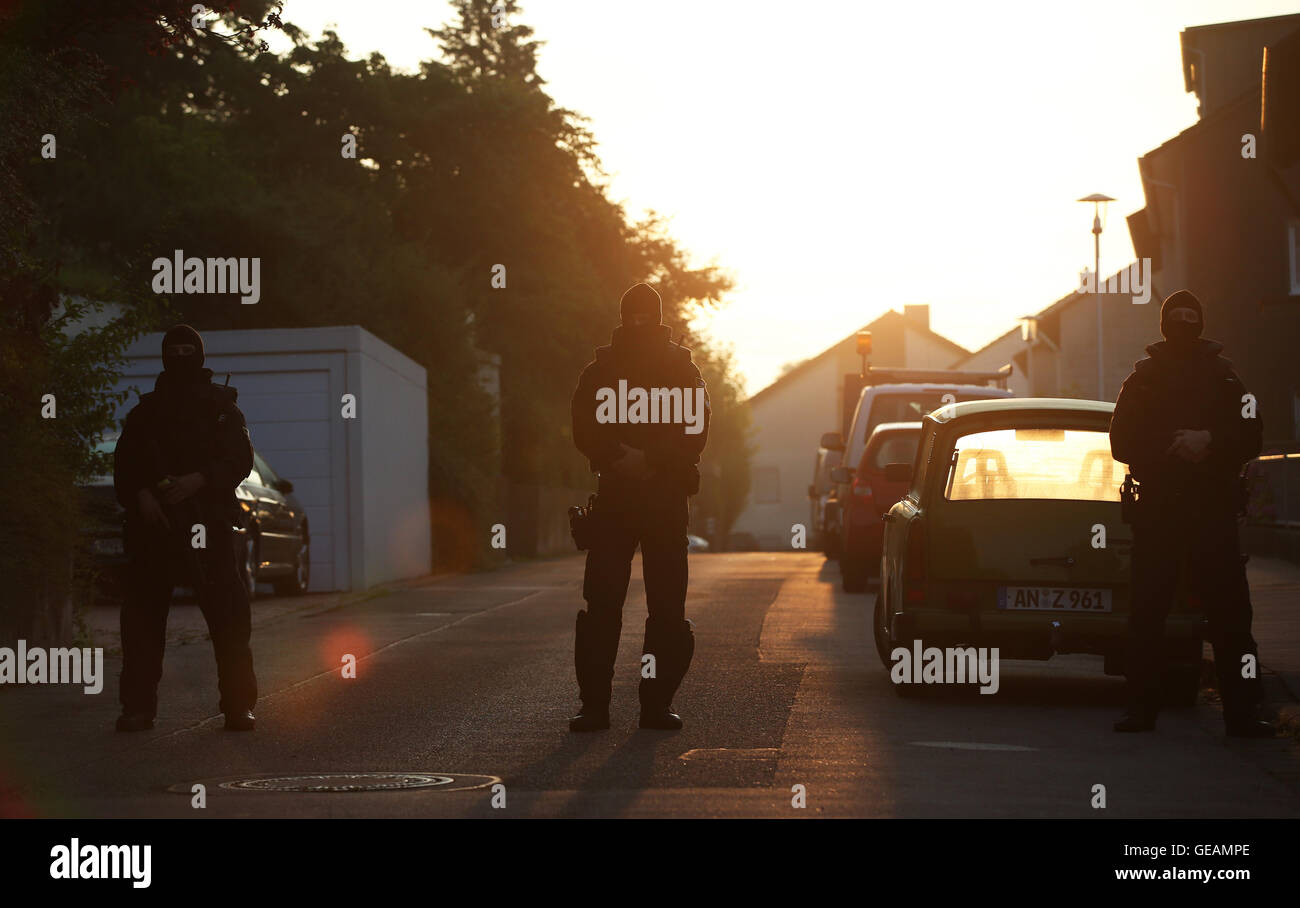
1097, 200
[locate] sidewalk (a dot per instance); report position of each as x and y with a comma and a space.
1275, 596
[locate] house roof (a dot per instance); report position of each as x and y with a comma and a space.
1072, 297
1064, 302
890, 315
1242, 23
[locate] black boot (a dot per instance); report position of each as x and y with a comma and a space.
1243, 720
1243, 700
1249, 728
590, 718
134, 722
241, 720
662, 719
595, 646
672, 645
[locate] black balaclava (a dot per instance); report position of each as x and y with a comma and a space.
1179, 332
185, 364
640, 306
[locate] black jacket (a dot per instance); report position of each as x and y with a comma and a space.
647, 359
183, 428
1176, 389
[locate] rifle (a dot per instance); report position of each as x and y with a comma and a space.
182, 516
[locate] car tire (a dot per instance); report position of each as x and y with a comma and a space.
853, 574
248, 565
832, 550
907, 691
1181, 684
880, 631
296, 583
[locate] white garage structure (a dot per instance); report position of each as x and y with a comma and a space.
363, 481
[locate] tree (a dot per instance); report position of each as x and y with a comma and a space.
56, 393
725, 466
205, 146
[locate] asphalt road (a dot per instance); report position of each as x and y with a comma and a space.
471, 678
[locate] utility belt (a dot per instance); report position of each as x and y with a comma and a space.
587, 523
1137, 506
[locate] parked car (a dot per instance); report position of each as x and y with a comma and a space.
893, 402
870, 496
272, 538
822, 514
994, 543
275, 540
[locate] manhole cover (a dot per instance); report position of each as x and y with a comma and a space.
342, 782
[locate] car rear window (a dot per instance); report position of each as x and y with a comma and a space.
911, 407
896, 447
1037, 463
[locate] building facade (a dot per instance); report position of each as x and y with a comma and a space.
791, 414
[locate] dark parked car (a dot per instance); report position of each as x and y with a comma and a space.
823, 516
272, 539
993, 543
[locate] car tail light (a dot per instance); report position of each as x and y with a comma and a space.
914, 574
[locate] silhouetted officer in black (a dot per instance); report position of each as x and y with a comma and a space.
1182, 425
647, 472
183, 451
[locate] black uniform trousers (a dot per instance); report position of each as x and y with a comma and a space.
656, 520
158, 562
1202, 539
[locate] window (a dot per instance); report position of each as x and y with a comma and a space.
906, 407
912, 406
897, 447
269, 479
767, 485
1034, 463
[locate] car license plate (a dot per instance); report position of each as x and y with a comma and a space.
1052, 599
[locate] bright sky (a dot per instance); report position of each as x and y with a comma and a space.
842, 159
